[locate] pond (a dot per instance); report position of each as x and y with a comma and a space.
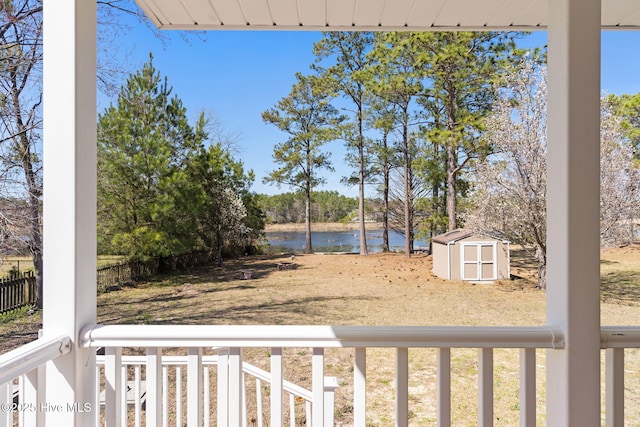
336, 241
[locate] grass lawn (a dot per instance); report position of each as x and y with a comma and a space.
381, 289
14, 262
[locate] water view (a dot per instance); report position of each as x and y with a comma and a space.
336, 241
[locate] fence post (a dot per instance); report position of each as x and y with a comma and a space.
27, 287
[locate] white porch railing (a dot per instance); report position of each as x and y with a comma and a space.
615, 339
231, 410
133, 390
22, 381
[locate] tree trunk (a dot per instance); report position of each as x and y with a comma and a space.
410, 205
35, 224
35, 247
307, 220
452, 164
407, 188
23, 149
407, 209
435, 205
361, 177
541, 257
219, 247
363, 229
385, 210
542, 276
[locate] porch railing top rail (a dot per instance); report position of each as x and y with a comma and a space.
620, 337
23, 359
320, 336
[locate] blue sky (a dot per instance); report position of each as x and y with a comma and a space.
236, 75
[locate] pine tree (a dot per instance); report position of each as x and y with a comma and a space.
627, 107
394, 77
310, 121
145, 145
461, 69
351, 51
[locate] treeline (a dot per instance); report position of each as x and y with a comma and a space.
326, 206
163, 187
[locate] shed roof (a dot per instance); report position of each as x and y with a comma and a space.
462, 233
452, 236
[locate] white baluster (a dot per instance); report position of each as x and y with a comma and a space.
113, 386
137, 395
207, 397
317, 386
165, 396
360, 387
223, 388
96, 407
154, 387
34, 395
244, 401
123, 401
259, 402
20, 400
178, 396
6, 392
614, 385
527, 387
292, 411
444, 387
485, 387
330, 386
235, 387
194, 387
276, 387
402, 387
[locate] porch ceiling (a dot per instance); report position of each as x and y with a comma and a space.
370, 14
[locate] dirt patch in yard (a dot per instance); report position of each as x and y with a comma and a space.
380, 289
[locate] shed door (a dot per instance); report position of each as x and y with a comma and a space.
479, 261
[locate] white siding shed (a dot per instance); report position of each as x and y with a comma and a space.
470, 255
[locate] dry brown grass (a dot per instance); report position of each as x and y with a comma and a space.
380, 289
19, 263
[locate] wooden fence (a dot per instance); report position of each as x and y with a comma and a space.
17, 291
114, 275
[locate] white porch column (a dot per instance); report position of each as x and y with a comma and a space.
70, 203
573, 257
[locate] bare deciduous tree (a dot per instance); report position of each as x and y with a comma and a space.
619, 181
20, 129
510, 186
